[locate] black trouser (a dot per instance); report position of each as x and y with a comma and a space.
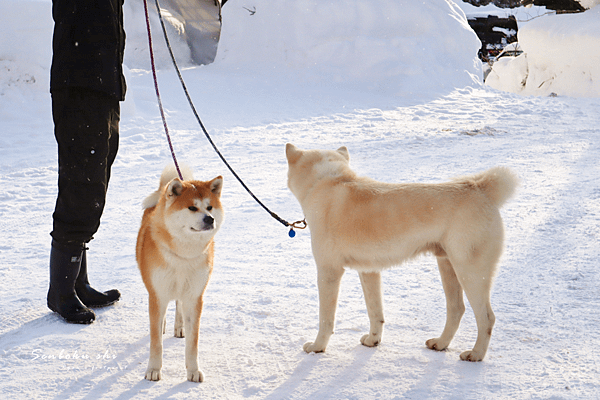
86, 127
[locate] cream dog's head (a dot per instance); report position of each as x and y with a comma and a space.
307, 167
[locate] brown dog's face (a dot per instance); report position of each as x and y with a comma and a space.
193, 207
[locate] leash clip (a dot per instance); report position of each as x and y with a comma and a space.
298, 225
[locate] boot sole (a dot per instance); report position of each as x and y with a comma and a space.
81, 322
100, 305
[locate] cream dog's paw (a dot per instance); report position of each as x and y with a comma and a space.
153, 374
436, 344
370, 340
311, 347
471, 356
179, 332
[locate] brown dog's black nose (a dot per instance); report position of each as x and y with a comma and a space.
208, 220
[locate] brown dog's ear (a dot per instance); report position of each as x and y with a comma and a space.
216, 185
344, 151
292, 153
175, 187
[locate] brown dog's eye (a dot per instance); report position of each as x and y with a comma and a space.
209, 208
192, 208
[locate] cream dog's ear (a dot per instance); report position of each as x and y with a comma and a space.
292, 153
344, 151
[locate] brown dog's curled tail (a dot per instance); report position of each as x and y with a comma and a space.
169, 173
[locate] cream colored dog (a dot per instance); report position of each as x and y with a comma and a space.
175, 252
366, 225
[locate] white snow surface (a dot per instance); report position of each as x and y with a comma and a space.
261, 304
561, 56
375, 45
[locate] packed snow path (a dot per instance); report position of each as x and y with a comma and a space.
261, 304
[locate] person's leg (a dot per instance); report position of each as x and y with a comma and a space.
86, 131
88, 295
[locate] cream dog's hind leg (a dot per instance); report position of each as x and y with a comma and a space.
455, 305
371, 284
478, 294
178, 330
475, 278
328, 281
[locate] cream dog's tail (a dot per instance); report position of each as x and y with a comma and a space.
499, 184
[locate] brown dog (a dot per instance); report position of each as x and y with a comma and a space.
175, 252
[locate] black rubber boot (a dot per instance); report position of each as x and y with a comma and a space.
65, 262
87, 294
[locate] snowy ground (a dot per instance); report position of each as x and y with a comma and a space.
261, 304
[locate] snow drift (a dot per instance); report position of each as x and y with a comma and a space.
374, 43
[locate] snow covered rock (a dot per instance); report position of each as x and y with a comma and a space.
562, 56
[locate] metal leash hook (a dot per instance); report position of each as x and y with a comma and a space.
298, 225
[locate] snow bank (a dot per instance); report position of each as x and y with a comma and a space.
393, 46
562, 56
388, 46
25, 49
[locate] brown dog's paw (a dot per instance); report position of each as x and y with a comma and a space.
195, 376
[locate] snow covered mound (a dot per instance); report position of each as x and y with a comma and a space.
392, 46
561, 55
